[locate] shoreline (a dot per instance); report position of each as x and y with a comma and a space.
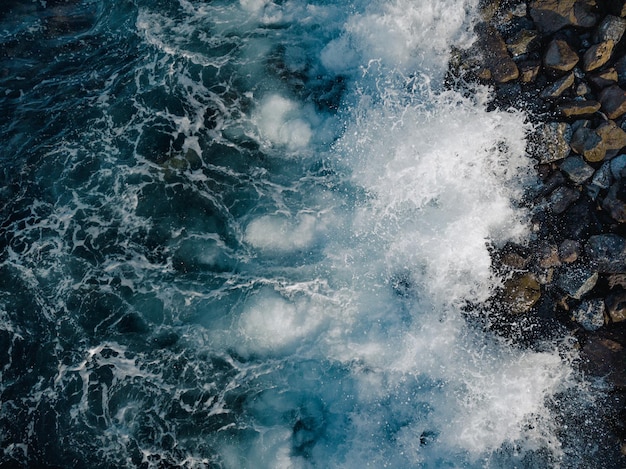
564, 64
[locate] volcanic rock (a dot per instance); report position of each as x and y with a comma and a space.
577, 281
559, 56
597, 55
607, 253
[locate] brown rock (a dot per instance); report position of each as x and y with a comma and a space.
582, 89
560, 56
552, 141
578, 108
552, 15
616, 306
589, 144
562, 198
522, 42
569, 250
613, 137
548, 256
613, 101
528, 71
597, 55
522, 293
557, 88
605, 356
611, 27
495, 54
613, 203
604, 78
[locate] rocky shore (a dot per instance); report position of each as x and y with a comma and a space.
565, 63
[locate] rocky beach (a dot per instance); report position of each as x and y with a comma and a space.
564, 62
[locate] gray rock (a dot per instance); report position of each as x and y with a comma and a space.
522, 42
559, 56
613, 203
611, 27
562, 198
552, 141
552, 15
569, 251
577, 281
589, 144
557, 88
607, 253
613, 101
597, 55
616, 306
602, 177
590, 314
576, 169
617, 165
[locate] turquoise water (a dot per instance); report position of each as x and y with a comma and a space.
244, 235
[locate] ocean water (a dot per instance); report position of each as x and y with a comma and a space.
245, 234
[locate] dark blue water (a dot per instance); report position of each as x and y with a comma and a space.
242, 234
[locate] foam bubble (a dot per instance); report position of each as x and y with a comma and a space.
279, 233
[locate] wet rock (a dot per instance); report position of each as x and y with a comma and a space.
604, 78
588, 143
522, 293
616, 306
582, 89
569, 251
597, 55
614, 203
552, 15
602, 177
579, 108
613, 101
613, 137
617, 280
557, 88
522, 42
559, 56
528, 71
590, 314
577, 281
576, 169
548, 256
616, 166
607, 253
553, 141
562, 198
611, 27
495, 55
603, 355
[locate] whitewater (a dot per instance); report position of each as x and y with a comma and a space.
256, 234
